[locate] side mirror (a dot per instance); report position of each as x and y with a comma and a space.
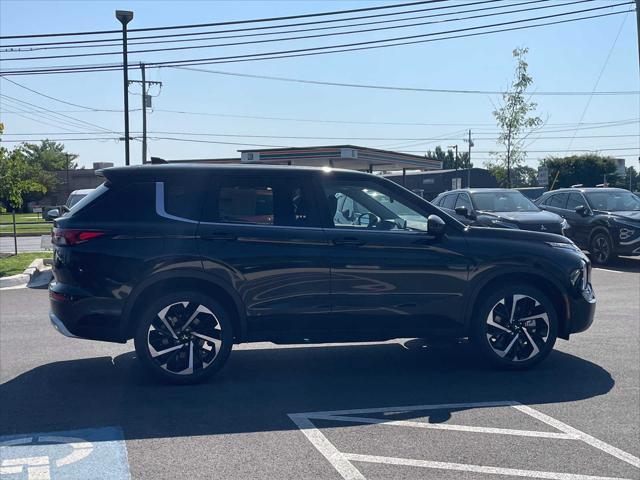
462, 211
435, 226
581, 210
53, 213
368, 219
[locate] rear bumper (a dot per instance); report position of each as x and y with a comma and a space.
582, 310
76, 314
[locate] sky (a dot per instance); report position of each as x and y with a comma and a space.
592, 55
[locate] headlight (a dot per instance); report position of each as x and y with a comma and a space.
567, 246
565, 225
580, 277
502, 224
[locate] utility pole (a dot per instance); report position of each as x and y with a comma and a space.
67, 174
470, 142
146, 103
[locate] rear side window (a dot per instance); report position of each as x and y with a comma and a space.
559, 200
85, 200
254, 201
182, 199
128, 202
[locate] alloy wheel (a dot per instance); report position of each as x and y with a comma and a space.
517, 328
184, 338
601, 249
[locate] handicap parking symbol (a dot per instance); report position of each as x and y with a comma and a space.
97, 453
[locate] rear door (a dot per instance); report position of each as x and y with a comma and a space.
262, 234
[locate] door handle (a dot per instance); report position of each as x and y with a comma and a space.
348, 241
219, 236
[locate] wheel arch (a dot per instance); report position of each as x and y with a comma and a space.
548, 286
600, 229
186, 279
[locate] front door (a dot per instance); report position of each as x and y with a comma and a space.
264, 234
580, 224
387, 273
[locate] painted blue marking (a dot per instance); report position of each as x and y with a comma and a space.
91, 453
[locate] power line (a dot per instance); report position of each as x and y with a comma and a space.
233, 22
306, 37
80, 43
283, 54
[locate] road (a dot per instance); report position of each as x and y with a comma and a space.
237, 426
25, 244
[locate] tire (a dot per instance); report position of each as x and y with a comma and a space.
500, 336
184, 337
601, 248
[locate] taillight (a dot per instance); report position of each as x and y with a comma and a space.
67, 237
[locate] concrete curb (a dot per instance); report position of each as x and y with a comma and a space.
31, 272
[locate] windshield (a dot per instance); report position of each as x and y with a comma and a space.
617, 201
503, 202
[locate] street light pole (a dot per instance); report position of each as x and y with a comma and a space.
125, 17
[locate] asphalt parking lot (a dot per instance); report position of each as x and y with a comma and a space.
78, 409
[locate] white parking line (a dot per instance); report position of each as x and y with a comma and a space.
341, 461
612, 271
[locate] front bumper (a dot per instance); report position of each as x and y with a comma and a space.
582, 310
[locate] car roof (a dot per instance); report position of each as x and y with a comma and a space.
480, 190
189, 169
585, 190
82, 191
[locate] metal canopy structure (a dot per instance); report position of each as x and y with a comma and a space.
340, 156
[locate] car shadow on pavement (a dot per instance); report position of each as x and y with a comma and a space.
623, 264
259, 387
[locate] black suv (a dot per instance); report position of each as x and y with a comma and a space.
604, 221
499, 208
189, 259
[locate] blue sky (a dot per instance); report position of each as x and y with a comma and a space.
568, 57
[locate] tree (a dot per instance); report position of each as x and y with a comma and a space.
521, 176
588, 170
448, 159
49, 156
513, 119
17, 178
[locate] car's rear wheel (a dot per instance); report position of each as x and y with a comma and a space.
516, 327
601, 248
184, 337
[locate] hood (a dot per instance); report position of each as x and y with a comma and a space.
516, 234
633, 215
525, 217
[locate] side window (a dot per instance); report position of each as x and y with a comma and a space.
370, 205
463, 201
575, 200
259, 202
449, 201
181, 199
559, 200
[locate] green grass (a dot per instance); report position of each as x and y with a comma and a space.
6, 224
17, 263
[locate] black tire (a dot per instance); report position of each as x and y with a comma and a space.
601, 248
507, 343
194, 350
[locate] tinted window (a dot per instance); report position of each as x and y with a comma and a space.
449, 201
128, 202
575, 200
259, 202
369, 205
182, 199
85, 200
463, 201
559, 200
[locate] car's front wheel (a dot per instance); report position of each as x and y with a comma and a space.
601, 248
515, 327
184, 337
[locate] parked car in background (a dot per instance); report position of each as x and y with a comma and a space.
499, 208
73, 199
604, 221
190, 259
